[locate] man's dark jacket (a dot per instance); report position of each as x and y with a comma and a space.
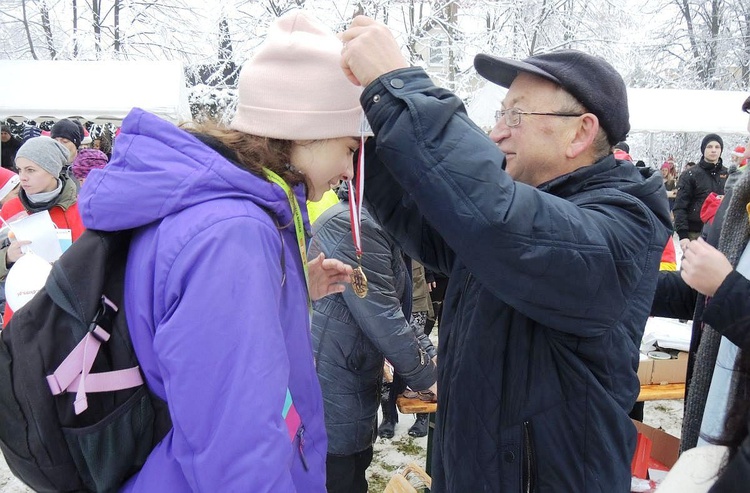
549, 291
693, 187
351, 336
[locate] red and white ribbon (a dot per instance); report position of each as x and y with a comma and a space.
356, 193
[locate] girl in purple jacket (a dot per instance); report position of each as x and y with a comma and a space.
216, 293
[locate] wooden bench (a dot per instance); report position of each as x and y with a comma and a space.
658, 392
648, 393
413, 406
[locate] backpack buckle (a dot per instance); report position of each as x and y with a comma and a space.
103, 320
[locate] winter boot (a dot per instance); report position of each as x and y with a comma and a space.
387, 428
419, 428
390, 416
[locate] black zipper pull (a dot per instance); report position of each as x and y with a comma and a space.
301, 436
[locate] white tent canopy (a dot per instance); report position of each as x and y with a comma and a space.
651, 110
96, 91
681, 110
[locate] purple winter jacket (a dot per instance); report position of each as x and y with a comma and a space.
219, 333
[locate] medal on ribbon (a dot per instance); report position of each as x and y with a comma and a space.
356, 193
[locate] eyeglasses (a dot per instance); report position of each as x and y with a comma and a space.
746, 105
512, 116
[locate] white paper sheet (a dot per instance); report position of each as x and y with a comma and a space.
39, 229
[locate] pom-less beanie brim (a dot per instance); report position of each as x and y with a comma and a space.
297, 125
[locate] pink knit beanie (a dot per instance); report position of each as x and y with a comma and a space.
86, 160
294, 88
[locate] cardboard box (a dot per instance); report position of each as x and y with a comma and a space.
664, 447
661, 371
645, 369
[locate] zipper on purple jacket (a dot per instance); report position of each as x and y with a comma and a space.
294, 426
301, 436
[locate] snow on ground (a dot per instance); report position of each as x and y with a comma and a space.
391, 455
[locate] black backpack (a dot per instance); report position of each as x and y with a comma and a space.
45, 442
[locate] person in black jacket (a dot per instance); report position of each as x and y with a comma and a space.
552, 249
352, 336
9, 148
695, 185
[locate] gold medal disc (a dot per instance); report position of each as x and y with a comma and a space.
359, 282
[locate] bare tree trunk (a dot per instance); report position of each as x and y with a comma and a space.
96, 8
542, 17
411, 43
27, 29
47, 27
714, 27
117, 26
451, 14
75, 28
684, 6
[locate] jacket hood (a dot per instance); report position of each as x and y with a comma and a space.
643, 183
158, 169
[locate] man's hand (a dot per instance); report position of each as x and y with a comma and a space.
370, 51
327, 276
704, 268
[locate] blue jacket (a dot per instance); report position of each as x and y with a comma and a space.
352, 335
219, 332
549, 291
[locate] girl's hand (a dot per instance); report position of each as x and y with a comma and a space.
14, 251
704, 268
327, 276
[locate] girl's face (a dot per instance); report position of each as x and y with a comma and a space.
325, 163
34, 179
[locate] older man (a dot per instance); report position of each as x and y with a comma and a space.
552, 247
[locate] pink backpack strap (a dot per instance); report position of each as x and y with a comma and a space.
73, 373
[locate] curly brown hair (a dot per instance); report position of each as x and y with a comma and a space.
252, 152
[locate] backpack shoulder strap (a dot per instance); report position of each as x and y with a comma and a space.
77, 284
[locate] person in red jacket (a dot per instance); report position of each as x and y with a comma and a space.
40, 162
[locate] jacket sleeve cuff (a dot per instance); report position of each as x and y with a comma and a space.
4, 268
388, 87
423, 378
727, 312
683, 234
